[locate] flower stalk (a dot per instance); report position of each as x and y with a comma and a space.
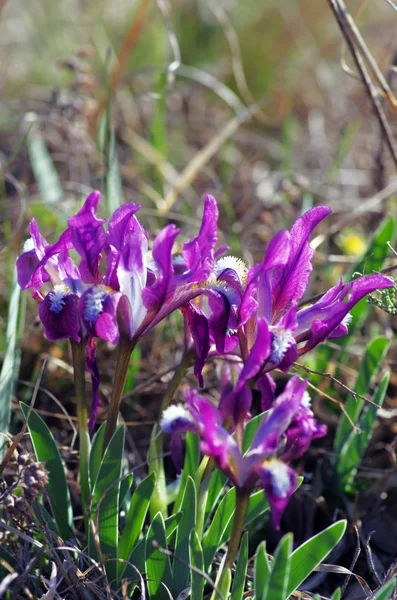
155, 455
242, 502
125, 348
78, 357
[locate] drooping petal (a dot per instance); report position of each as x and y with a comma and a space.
266, 386
277, 420
290, 282
279, 482
60, 315
325, 319
259, 354
197, 324
92, 368
98, 308
236, 405
88, 238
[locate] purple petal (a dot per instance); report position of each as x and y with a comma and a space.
155, 296
324, 320
267, 386
259, 353
277, 420
197, 324
59, 314
198, 254
290, 282
236, 405
98, 307
279, 482
88, 237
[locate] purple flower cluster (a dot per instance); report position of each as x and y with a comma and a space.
120, 290
284, 433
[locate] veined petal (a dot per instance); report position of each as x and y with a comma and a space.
98, 308
59, 314
323, 320
155, 296
197, 323
198, 254
277, 420
88, 237
259, 354
290, 282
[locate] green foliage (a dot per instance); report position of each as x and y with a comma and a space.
47, 452
386, 591
370, 365
157, 563
310, 554
356, 444
180, 570
105, 504
45, 173
197, 561
135, 519
241, 569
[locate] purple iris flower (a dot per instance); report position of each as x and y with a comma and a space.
264, 462
136, 289
273, 330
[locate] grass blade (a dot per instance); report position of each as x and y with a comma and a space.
371, 363
158, 566
310, 554
136, 516
10, 367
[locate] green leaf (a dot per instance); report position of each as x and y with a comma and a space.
96, 454
136, 516
386, 591
277, 582
125, 486
180, 570
42, 515
157, 563
137, 556
10, 367
46, 451
251, 429
197, 561
310, 554
371, 363
105, 503
241, 569
261, 571
217, 482
355, 446
336, 594
256, 507
190, 465
219, 523
43, 168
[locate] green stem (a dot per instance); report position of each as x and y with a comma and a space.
158, 502
78, 357
125, 349
242, 500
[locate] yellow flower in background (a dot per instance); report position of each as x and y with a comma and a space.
352, 242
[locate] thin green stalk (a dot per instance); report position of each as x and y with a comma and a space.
123, 362
242, 500
155, 455
78, 356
